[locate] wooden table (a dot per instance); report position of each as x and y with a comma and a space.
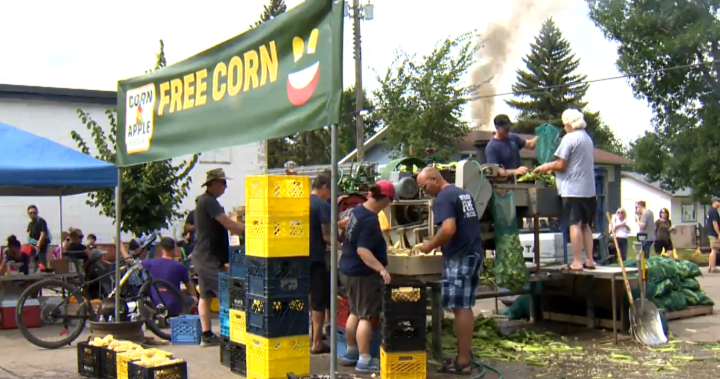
20, 277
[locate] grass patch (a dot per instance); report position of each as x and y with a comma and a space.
684, 254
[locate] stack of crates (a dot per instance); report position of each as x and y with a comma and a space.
238, 289
403, 334
224, 295
277, 237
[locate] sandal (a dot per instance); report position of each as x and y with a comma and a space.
451, 367
570, 268
325, 349
585, 266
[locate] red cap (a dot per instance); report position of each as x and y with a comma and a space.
387, 189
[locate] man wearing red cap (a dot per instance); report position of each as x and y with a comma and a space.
363, 273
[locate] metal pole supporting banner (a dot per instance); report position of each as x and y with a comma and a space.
334, 246
118, 242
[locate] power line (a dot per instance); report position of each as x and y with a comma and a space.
538, 89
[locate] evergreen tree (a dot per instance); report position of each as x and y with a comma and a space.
272, 10
550, 85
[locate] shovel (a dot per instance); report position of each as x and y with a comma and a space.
645, 323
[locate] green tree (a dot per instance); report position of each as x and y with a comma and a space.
151, 192
270, 11
421, 100
549, 85
677, 47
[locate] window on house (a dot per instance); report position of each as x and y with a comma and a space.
217, 156
688, 211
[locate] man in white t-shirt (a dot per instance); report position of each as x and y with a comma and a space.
574, 166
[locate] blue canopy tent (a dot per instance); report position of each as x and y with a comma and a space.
31, 165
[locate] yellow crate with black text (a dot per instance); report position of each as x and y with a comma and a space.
403, 365
277, 236
237, 326
270, 358
277, 195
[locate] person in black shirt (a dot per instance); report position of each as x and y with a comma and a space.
212, 246
189, 231
13, 254
38, 234
713, 229
319, 272
362, 272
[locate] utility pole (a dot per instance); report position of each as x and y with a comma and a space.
359, 13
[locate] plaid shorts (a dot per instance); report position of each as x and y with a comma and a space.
461, 276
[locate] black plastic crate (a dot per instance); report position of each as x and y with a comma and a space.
407, 298
88, 360
225, 351
224, 289
238, 358
237, 262
238, 291
171, 371
286, 276
399, 334
108, 363
278, 316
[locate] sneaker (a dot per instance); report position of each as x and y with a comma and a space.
211, 340
350, 358
372, 367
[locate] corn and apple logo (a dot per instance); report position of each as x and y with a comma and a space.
301, 84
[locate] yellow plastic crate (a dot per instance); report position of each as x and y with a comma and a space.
278, 368
277, 195
403, 365
272, 349
276, 237
122, 360
237, 326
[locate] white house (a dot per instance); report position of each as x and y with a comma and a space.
683, 210
52, 113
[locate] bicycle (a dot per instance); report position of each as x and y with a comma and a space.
54, 309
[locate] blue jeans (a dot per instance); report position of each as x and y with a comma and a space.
622, 247
646, 246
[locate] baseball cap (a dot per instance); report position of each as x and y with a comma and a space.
502, 121
387, 189
716, 198
167, 243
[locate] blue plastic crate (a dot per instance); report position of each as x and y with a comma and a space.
374, 343
186, 330
271, 277
224, 289
278, 316
237, 262
225, 321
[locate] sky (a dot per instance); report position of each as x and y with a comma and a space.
90, 45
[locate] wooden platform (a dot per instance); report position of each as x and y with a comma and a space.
695, 311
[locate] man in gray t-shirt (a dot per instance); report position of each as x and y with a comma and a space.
574, 166
646, 222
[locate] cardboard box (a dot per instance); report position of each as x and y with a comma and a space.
61, 266
415, 265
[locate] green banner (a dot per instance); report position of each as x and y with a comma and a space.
280, 78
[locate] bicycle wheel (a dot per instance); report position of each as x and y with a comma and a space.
156, 314
58, 313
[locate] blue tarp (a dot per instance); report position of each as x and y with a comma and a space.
31, 165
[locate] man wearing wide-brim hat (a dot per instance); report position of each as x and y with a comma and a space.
212, 246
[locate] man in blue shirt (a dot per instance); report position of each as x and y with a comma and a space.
319, 273
458, 233
362, 271
713, 229
504, 148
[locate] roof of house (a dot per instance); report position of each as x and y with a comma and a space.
683, 192
467, 144
62, 95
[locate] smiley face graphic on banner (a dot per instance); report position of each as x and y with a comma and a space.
301, 84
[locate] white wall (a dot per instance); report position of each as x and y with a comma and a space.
55, 121
633, 191
677, 209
